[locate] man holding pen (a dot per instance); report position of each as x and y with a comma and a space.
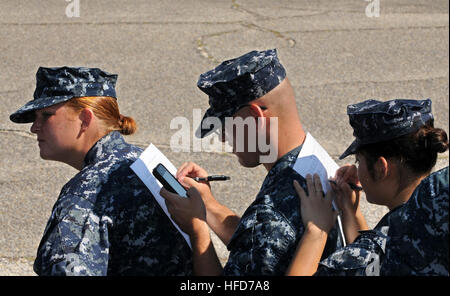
253, 88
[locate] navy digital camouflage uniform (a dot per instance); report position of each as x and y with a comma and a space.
267, 235
269, 231
363, 257
418, 236
105, 220
411, 239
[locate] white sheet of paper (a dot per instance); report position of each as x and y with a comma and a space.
313, 159
143, 167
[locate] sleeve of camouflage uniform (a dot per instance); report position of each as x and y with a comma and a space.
260, 244
361, 258
76, 243
419, 237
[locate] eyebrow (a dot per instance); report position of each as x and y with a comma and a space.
47, 111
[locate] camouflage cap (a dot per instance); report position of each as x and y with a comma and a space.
57, 85
238, 81
374, 121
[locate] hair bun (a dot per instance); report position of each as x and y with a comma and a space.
434, 139
127, 125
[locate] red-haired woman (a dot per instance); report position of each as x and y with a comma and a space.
105, 221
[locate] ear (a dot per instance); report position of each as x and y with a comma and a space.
258, 114
86, 116
382, 168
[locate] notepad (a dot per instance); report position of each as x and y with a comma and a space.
143, 167
313, 159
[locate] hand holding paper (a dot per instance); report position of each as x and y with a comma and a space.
313, 159
143, 167
316, 208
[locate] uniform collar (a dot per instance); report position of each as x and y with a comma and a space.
281, 164
104, 147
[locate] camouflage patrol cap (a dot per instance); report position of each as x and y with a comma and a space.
374, 121
236, 82
57, 85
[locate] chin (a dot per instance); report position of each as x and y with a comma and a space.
372, 201
45, 156
248, 163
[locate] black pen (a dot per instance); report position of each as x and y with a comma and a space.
352, 186
212, 178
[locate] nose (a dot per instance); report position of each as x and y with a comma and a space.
34, 127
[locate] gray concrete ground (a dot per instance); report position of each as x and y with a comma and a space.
333, 53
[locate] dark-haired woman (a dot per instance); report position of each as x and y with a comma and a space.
396, 148
105, 221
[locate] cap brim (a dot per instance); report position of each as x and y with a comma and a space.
26, 115
351, 149
212, 126
203, 132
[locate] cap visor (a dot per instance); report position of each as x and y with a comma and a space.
350, 150
209, 124
26, 115
201, 133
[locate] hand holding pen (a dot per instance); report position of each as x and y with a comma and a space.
348, 173
347, 190
352, 186
347, 187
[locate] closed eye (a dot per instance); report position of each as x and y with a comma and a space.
46, 115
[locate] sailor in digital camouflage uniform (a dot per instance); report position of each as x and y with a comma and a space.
412, 239
418, 238
265, 238
105, 221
